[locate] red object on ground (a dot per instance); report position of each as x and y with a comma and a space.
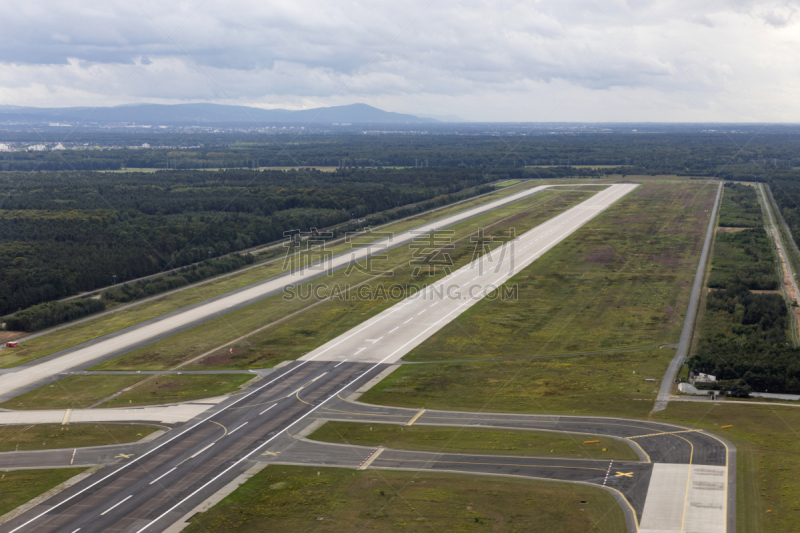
12, 344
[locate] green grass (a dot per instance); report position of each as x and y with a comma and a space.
172, 389
52, 436
767, 456
21, 486
80, 392
621, 281
484, 441
597, 384
293, 498
316, 325
507, 183
68, 337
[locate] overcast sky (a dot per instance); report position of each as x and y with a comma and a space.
566, 60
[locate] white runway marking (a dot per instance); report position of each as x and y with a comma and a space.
162, 475
237, 429
116, 505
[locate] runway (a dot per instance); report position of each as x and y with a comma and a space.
25, 377
154, 484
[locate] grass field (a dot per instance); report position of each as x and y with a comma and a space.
485, 441
292, 498
767, 456
323, 320
52, 436
21, 486
80, 392
621, 281
65, 338
592, 384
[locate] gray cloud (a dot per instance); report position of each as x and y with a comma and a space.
504, 60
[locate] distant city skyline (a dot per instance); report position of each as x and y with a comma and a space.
572, 61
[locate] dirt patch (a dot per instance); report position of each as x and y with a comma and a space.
6, 336
603, 255
726, 229
168, 385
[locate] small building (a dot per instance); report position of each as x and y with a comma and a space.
12, 344
37, 148
702, 378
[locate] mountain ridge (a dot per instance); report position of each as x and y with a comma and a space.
171, 114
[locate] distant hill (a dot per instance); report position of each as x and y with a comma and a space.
207, 114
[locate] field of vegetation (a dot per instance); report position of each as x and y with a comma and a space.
76, 334
590, 384
323, 320
294, 498
52, 436
20, 486
742, 251
471, 440
743, 336
621, 281
739, 207
80, 392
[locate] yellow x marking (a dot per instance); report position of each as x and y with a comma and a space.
124, 456
624, 474
270, 453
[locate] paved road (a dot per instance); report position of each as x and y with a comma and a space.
26, 377
686, 478
779, 240
668, 380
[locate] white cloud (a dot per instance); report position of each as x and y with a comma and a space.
505, 60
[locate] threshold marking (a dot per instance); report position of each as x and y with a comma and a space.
162, 475
371, 457
116, 505
267, 409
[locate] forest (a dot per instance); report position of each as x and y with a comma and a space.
743, 342
67, 232
750, 156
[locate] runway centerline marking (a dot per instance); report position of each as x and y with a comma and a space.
274, 404
115, 505
162, 475
237, 429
